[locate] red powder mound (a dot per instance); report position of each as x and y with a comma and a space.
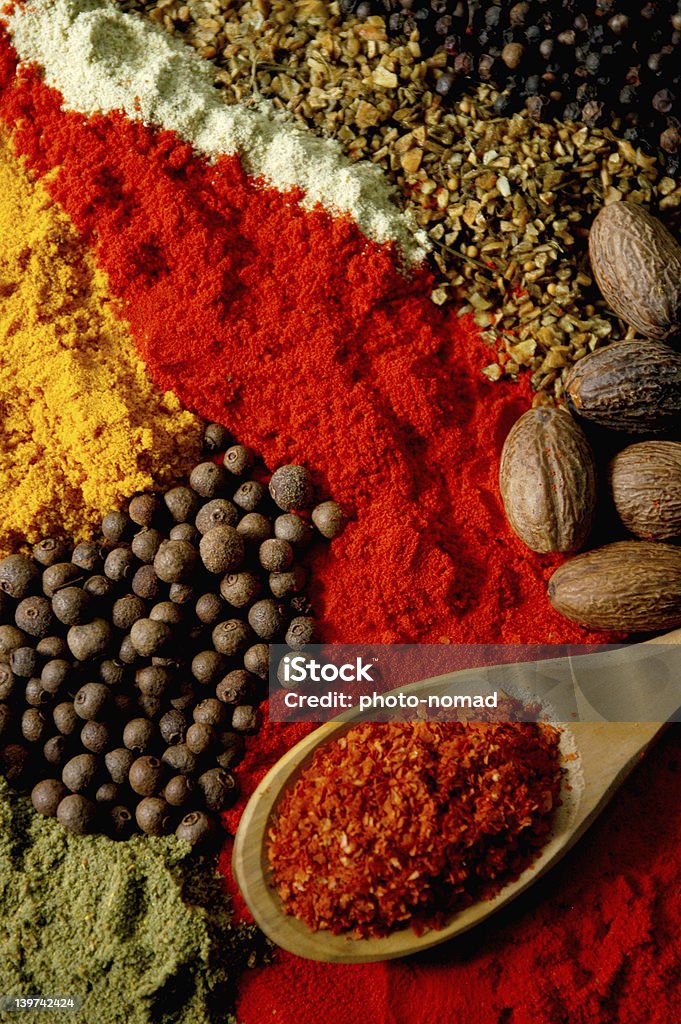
304, 339
291, 329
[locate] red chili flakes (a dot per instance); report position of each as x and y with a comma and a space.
405, 823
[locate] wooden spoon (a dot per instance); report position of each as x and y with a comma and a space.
607, 750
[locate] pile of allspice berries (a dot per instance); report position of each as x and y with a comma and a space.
610, 465
132, 665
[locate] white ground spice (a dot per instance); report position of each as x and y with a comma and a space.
102, 60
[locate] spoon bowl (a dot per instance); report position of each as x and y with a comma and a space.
606, 753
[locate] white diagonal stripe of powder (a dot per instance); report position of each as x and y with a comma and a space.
102, 60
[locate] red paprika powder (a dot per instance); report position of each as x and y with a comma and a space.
306, 340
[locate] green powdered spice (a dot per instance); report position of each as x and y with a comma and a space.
140, 931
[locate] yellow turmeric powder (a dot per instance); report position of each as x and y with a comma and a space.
81, 425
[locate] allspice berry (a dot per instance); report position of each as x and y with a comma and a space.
116, 526
121, 821
95, 737
275, 555
237, 687
145, 544
175, 561
233, 748
149, 637
245, 718
146, 584
60, 575
72, 606
50, 550
329, 519
291, 487
19, 576
179, 790
118, 763
238, 459
66, 719
144, 508
294, 529
219, 789
77, 814
208, 666
180, 759
8, 682
86, 555
11, 639
211, 712
173, 727
232, 636
33, 725
25, 662
254, 528
208, 480
57, 751
127, 610
257, 660
47, 795
216, 438
267, 618
91, 701
301, 631
240, 589
200, 738
54, 674
90, 641
218, 512
80, 772
183, 503
196, 828
250, 495
140, 735
119, 564
146, 775
153, 815
222, 549
34, 616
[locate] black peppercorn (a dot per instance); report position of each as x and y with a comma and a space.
153, 815
196, 828
77, 814
80, 772
146, 776
19, 576
34, 616
118, 763
140, 735
47, 795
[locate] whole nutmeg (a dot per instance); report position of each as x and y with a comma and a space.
637, 266
547, 479
632, 586
645, 485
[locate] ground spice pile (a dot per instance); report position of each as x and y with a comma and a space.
81, 424
134, 932
402, 823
